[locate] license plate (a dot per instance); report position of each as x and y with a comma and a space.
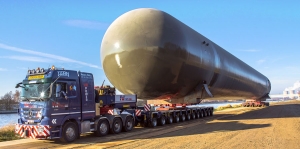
30, 121
35, 77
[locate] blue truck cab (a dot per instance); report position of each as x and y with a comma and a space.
59, 103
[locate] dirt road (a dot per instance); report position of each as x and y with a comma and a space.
277, 126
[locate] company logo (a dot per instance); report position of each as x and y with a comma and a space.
63, 73
30, 113
123, 98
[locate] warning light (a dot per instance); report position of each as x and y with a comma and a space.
53, 67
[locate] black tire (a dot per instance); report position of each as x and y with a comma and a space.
188, 116
208, 112
162, 120
193, 116
153, 123
116, 126
170, 120
69, 132
211, 112
128, 124
201, 113
176, 119
204, 113
197, 114
102, 128
182, 118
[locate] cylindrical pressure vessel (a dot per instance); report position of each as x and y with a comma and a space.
152, 54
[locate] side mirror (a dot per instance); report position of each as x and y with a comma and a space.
19, 85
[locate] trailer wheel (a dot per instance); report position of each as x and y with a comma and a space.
182, 117
102, 128
162, 120
69, 132
207, 112
170, 120
153, 123
211, 112
202, 113
197, 114
176, 118
116, 126
193, 116
128, 124
188, 116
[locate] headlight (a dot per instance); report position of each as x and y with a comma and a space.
42, 94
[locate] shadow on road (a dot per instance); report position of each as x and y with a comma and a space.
274, 111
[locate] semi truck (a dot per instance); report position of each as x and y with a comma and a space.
63, 104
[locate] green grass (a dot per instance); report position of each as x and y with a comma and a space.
227, 107
7, 133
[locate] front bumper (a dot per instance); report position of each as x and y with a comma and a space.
33, 131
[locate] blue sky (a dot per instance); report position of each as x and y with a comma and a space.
264, 34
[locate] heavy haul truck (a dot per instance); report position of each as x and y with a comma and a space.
59, 103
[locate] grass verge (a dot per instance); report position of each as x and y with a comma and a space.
7, 133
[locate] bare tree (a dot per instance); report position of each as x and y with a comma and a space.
7, 101
17, 95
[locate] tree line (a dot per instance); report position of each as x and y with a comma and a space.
9, 100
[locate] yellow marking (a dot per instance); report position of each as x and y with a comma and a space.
36, 77
125, 106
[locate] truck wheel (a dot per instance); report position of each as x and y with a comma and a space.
102, 128
116, 126
153, 123
182, 118
176, 118
198, 114
162, 121
193, 116
170, 120
128, 124
69, 132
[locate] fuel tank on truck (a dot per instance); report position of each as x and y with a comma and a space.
152, 54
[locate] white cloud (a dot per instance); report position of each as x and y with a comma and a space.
87, 24
50, 56
261, 61
28, 58
3, 69
250, 50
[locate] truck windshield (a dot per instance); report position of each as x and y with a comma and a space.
39, 91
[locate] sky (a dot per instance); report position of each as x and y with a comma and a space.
263, 34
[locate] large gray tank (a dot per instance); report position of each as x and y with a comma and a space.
152, 54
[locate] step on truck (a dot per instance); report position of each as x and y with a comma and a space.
62, 104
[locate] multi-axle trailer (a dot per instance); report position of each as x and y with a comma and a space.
58, 103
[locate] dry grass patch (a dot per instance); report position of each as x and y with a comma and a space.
7, 133
228, 106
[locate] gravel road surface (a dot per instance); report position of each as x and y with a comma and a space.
276, 126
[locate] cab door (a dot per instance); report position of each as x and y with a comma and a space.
59, 103
73, 98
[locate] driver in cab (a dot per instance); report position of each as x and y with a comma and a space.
60, 90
